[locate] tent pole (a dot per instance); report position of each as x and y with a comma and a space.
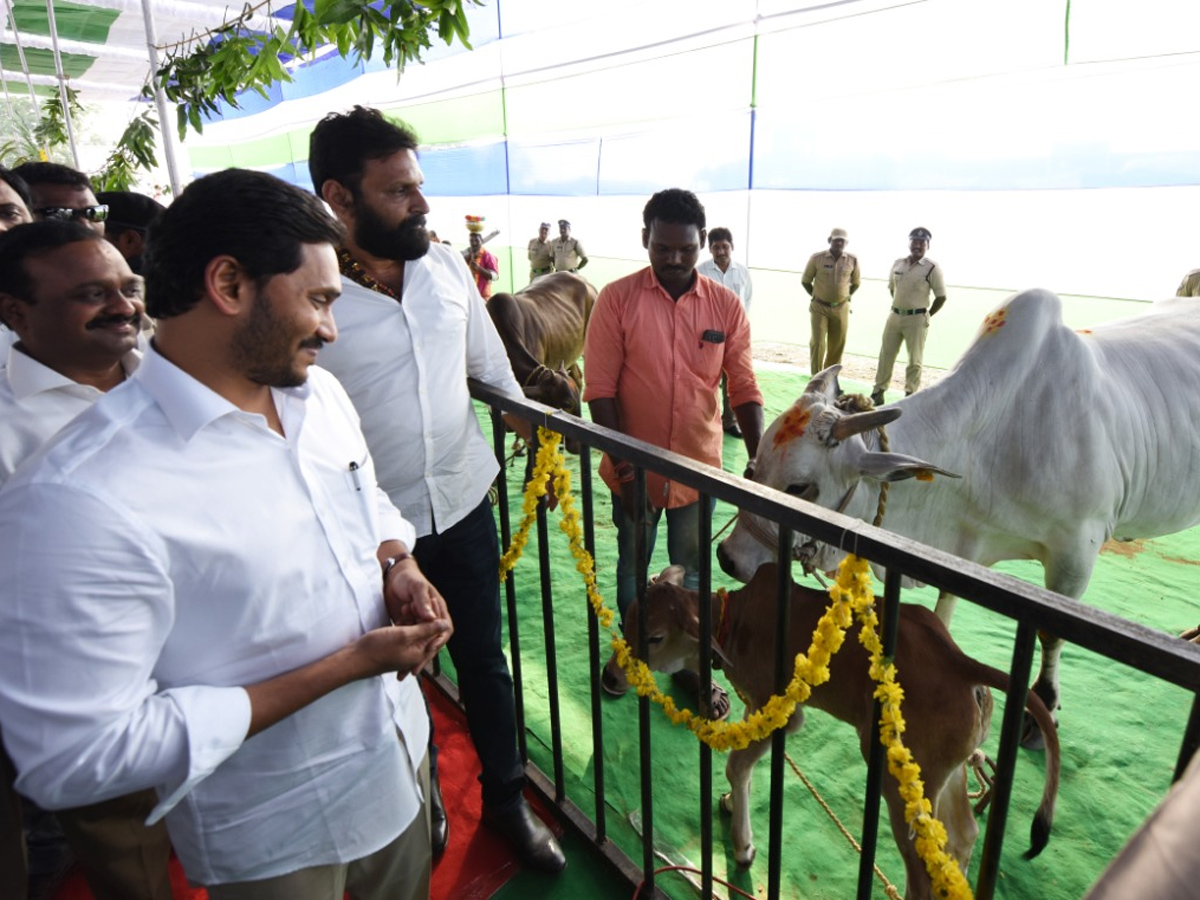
7, 96
12, 24
62, 83
160, 99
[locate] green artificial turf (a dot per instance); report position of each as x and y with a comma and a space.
1120, 730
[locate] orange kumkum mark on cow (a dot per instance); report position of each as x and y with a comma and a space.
995, 321
792, 426
923, 475
1083, 331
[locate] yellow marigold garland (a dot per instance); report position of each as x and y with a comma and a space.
851, 594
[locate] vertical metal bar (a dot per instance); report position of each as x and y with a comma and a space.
510, 584
1191, 739
594, 655
876, 757
546, 578
12, 25
62, 82
783, 668
641, 564
1010, 737
704, 532
160, 100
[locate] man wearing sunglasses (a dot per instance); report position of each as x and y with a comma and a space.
60, 192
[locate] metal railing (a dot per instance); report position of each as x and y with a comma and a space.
1033, 608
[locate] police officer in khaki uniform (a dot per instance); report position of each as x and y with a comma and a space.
830, 277
569, 255
913, 280
541, 253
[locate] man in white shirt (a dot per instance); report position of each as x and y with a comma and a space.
76, 309
413, 328
14, 210
214, 622
724, 269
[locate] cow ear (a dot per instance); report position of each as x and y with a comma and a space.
685, 616
825, 383
898, 467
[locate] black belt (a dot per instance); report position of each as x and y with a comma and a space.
830, 305
908, 312
542, 271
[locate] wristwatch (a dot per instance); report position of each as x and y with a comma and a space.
393, 560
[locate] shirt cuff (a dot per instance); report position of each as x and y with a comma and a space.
225, 714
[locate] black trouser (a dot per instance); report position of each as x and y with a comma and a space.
463, 563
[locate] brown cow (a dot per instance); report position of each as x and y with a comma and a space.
542, 327
947, 705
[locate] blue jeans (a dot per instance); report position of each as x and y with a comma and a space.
683, 546
463, 563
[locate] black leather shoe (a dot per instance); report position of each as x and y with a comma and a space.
733, 431
528, 834
439, 828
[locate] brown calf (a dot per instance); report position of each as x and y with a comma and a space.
542, 327
947, 705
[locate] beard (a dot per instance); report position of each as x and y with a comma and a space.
265, 349
406, 241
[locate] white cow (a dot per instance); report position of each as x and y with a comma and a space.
1062, 440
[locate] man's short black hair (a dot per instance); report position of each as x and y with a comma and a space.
18, 244
256, 218
674, 205
129, 211
341, 144
52, 173
719, 234
18, 184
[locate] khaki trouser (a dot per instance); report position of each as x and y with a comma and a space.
400, 871
828, 324
121, 858
911, 330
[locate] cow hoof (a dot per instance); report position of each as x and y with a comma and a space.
726, 803
746, 856
1032, 737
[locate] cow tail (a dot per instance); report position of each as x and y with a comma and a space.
1039, 833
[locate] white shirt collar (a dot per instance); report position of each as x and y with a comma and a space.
27, 376
190, 405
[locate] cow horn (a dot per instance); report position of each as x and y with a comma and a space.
824, 382
848, 426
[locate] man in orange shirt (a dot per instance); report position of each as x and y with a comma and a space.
657, 343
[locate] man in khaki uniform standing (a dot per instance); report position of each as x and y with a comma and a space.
913, 280
569, 255
830, 277
541, 253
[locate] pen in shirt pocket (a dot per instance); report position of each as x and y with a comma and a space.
365, 498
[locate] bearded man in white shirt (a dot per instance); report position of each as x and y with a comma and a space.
76, 309
413, 329
200, 573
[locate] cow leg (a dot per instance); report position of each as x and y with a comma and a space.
945, 607
917, 883
738, 770
953, 809
1068, 574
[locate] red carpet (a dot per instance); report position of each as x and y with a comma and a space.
476, 863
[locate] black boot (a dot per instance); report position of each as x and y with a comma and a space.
528, 834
